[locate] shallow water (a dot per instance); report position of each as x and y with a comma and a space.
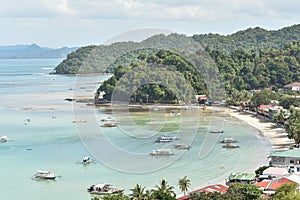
38, 121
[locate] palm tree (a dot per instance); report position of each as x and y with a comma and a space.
165, 188
292, 126
137, 192
184, 184
148, 195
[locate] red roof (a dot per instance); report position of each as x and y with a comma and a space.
202, 96
273, 184
277, 183
263, 184
263, 106
213, 188
186, 197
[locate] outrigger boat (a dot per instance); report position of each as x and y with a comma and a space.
4, 138
161, 152
86, 160
40, 174
212, 131
103, 189
231, 146
182, 146
109, 124
166, 138
228, 140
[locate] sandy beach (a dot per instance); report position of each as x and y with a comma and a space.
275, 134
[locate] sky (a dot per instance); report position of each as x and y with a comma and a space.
74, 23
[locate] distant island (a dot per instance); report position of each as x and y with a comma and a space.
33, 51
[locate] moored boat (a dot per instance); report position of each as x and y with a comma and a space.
109, 124
4, 138
182, 146
108, 119
228, 140
161, 152
216, 131
166, 138
86, 160
103, 189
231, 146
41, 174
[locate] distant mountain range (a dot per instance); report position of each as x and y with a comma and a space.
33, 51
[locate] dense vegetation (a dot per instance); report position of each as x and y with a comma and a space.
246, 70
250, 39
164, 74
93, 59
240, 70
247, 60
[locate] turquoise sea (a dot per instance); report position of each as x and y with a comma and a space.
42, 136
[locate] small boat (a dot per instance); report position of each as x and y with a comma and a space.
175, 113
103, 189
182, 146
109, 124
216, 131
79, 121
86, 160
108, 119
40, 174
4, 138
228, 140
231, 146
166, 138
161, 152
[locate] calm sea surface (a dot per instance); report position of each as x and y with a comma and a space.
39, 124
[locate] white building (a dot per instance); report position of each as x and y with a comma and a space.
289, 159
293, 86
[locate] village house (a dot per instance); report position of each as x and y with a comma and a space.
243, 178
211, 188
269, 186
292, 87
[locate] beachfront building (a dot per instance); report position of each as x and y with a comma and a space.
292, 87
289, 159
243, 178
269, 186
220, 188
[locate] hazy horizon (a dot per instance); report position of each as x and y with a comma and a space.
75, 23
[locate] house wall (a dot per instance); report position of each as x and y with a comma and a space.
292, 164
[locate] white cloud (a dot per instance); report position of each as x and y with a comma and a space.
85, 21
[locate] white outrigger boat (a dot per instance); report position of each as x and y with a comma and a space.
161, 152
41, 174
4, 138
182, 146
86, 160
110, 124
231, 146
166, 138
103, 189
228, 140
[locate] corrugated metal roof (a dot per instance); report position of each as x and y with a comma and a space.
241, 176
288, 153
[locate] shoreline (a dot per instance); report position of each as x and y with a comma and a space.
276, 135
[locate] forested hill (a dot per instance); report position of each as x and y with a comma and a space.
33, 51
250, 39
93, 59
240, 70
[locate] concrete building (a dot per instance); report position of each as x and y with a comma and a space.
289, 159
